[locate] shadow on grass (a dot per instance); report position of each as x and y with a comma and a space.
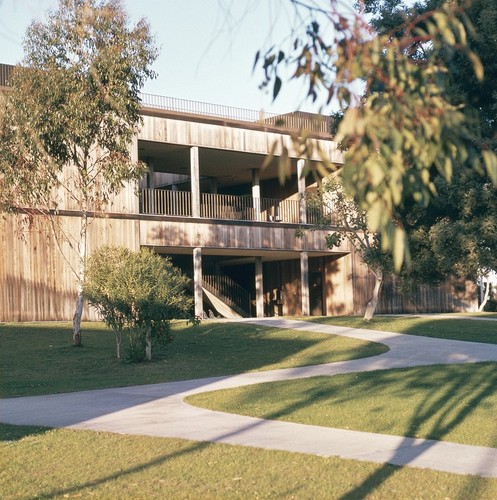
38, 358
123, 473
443, 402
17, 432
449, 399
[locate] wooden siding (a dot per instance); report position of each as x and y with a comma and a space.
282, 290
188, 233
339, 290
177, 131
35, 281
451, 296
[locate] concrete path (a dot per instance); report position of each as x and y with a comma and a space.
160, 410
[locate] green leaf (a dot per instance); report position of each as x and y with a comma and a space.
477, 65
490, 160
277, 87
399, 248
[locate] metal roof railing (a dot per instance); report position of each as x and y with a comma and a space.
295, 120
203, 108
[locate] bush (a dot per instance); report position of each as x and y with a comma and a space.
137, 294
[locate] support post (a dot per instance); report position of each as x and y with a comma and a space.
195, 181
256, 194
304, 277
301, 188
197, 282
259, 288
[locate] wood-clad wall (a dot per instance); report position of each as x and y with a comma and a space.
223, 136
348, 286
254, 237
35, 281
451, 296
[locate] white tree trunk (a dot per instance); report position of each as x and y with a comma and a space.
76, 321
373, 303
119, 337
148, 346
485, 297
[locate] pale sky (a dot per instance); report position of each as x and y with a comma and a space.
207, 47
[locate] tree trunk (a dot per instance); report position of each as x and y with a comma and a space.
119, 337
148, 346
76, 320
485, 297
373, 303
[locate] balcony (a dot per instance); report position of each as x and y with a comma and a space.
229, 207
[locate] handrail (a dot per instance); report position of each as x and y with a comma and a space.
297, 120
227, 207
229, 291
203, 108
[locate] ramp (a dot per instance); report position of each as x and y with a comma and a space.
221, 307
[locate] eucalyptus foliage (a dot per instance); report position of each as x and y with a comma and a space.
341, 211
137, 294
67, 122
457, 235
403, 129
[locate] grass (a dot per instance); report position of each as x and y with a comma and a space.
451, 403
455, 402
62, 463
460, 328
38, 358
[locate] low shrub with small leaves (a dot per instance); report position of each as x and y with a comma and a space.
137, 294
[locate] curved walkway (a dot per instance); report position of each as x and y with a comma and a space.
160, 410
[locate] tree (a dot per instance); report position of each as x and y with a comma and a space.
138, 293
70, 116
340, 210
458, 234
403, 130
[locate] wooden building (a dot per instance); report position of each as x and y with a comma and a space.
247, 241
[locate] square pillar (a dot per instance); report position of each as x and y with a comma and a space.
195, 181
301, 188
256, 194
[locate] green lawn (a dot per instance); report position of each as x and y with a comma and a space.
460, 328
445, 402
38, 358
450, 403
72, 464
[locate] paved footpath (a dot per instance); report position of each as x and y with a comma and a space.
160, 410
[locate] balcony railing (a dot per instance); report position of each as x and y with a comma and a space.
227, 207
297, 120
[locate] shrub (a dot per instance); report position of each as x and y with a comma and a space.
137, 293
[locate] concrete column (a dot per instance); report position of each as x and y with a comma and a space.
133, 148
197, 282
151, 174
151, 186
301, 188
304, 278
195, 181
135, 202
259, 288
256, 194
